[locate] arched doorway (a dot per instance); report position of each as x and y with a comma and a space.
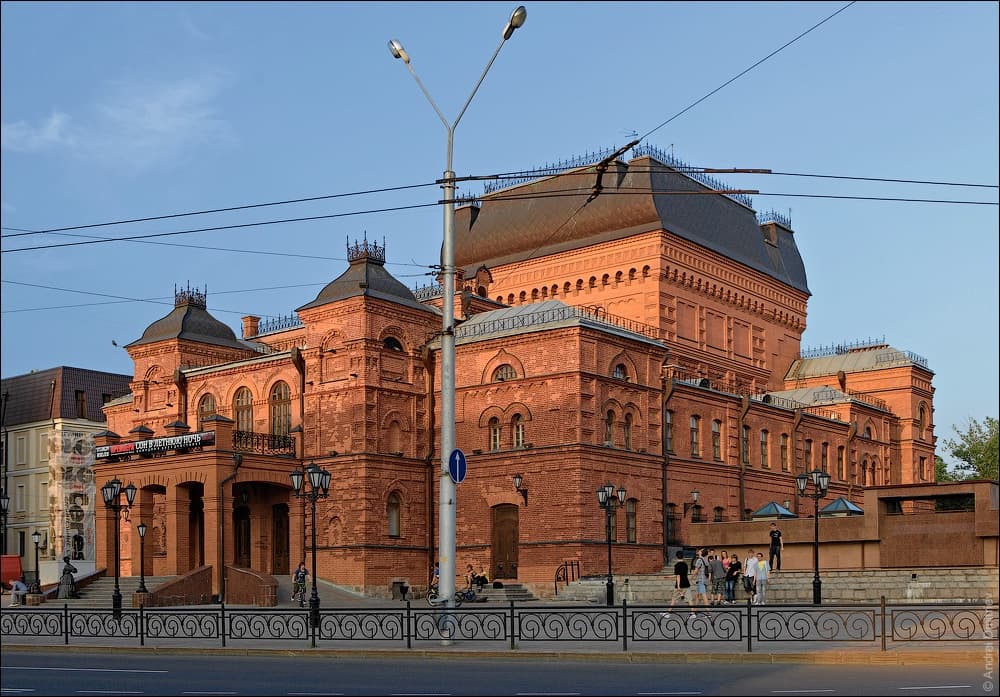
241, 539
279, 539
505, 524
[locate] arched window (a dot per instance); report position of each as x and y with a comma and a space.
206, 408
280, 403
522, 297
824, 456
807, 454
494, 426
620, 372
609, 428
695, 436
504, 372
534, 294
784, 452
868, 432
745, 445
391, 343
631, 534
921, 422
243, 409
764, 456
517, 430
841, 464
392, 506
628, 431
717, 439
593, 282
510, 298
618, 278
605, 279
668, 426
718, 514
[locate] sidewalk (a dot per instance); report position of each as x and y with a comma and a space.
974, 653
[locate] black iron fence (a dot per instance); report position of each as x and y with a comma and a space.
654, 627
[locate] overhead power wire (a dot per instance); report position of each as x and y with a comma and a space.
736, 77
217, 210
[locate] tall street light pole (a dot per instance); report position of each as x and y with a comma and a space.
319, 482
606, 497
821, 482
111, 493
446, 502
36, 585
4, 505
141, 528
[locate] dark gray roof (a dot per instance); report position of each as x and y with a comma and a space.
191, 321
51, 394
543, 217
366, 276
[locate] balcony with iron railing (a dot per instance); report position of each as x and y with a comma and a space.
263, 443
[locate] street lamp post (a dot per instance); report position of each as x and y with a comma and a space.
4, 505
111, 493
606, 497
36, 586
447, 499
319, 482
141, 528
821, 482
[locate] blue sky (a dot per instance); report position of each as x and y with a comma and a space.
116, 111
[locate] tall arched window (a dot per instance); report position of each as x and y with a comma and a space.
394, 437
206, 408
392, 514
280, 403
631, 533
717, 439
695, 436
764, 458
628, 431
609, 428
517, 430
921, 422
243, 409
494, 426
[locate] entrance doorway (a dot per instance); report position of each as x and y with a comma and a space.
279, 539
505, 523
241, 540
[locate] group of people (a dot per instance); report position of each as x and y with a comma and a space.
67, 585
479, 580
712, 578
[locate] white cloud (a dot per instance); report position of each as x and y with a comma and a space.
136, 127
21, 136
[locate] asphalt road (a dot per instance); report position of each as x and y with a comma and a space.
62, 672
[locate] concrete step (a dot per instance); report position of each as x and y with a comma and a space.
101, 591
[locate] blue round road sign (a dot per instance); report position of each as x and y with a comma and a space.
457, 466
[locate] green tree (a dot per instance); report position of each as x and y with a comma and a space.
977, 450
941, 471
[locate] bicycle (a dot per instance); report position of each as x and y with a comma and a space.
466, 595
299, 592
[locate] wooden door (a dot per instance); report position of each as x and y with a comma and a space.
279, 539
505, 522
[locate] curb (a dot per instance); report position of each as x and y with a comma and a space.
839, 657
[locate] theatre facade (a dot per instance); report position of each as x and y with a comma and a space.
650, 340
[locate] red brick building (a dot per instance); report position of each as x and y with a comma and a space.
650, 338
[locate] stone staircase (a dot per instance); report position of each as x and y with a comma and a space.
511, 592
99, 593
911, 585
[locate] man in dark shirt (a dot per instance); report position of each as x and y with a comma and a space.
682, 585
777, 546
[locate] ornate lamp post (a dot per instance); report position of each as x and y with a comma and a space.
319, 482
821, 482
36, 586
141, 528
606, 497
447, 498
111, 493
4, 505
